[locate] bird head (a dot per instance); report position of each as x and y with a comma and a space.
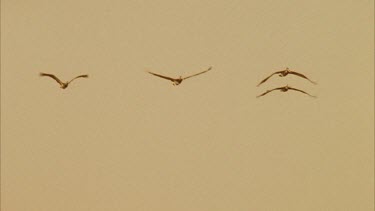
284, 72
64, 85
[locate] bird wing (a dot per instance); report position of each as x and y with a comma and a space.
198, 73
268, 91
52, 76
80, 76
264, 80
301, 75
301, 91
162, 76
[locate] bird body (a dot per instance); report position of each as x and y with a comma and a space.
177, 81
284, 73
285, 89
63, 85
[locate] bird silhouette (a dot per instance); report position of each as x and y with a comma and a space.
284, 73
63, 85
285, 89
177, 81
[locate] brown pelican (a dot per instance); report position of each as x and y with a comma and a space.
177, 81
284, 73
285, 89
62, 84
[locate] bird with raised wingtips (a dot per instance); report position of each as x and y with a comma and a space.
177, 81
285, 89
63, 85
284, 73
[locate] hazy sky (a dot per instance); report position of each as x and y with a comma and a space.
126, 140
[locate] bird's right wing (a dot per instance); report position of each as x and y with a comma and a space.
268, 91
264, 80
161, 76
302, 92
52, 76
198, 73
80, 76
303, 76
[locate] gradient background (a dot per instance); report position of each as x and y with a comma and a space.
126, 140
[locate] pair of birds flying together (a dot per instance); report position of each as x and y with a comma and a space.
286, 88
175, 81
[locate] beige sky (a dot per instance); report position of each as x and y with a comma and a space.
126, 140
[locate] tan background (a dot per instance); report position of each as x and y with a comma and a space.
125, 140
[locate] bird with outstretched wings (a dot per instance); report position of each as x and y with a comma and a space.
285, 89
63, 85
177, 81
284, 73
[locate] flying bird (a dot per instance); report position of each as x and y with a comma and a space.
284, 73
177, 81
285, 89
63, 85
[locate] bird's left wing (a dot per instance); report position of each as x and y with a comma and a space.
52, 76
268, 91
264, 80
161, 76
